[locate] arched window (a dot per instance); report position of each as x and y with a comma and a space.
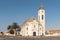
42, 17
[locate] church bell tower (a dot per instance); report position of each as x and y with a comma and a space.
41, 18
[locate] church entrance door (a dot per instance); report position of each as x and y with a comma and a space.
34, 33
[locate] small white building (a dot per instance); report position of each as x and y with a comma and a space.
34, 27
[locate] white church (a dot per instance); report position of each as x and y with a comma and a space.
34, 27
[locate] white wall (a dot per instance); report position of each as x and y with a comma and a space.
31, 29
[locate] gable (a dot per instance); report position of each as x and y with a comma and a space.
31, 19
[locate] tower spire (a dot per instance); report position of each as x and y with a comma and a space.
41, 17
41, 5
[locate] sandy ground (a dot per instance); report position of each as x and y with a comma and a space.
29, 38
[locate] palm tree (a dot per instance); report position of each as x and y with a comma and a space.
13, 28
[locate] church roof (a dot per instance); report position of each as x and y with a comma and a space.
28, 20
31, 19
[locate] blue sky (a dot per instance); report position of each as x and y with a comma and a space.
20, 10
